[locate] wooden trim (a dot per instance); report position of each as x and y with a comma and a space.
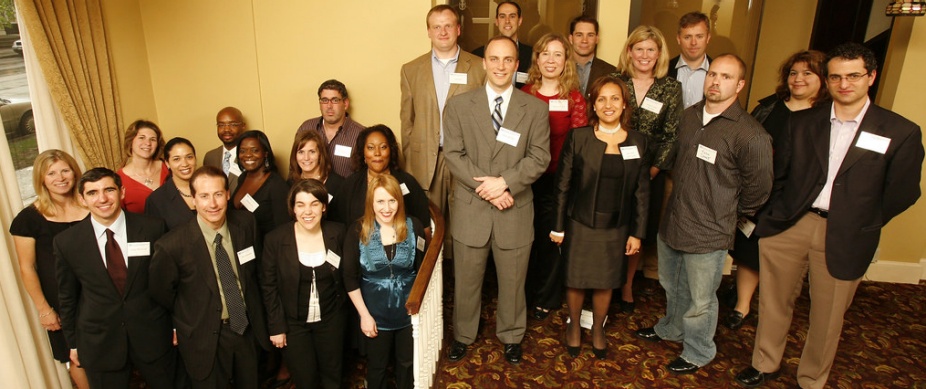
416, 296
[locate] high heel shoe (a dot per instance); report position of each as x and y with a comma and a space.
572, 350
600, 353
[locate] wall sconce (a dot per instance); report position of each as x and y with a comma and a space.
906, 8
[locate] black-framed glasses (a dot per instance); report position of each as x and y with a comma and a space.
853, 77
333, 100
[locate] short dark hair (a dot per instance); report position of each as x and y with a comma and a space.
851, 50
360, 161
207, 171
96, 174
692, 19
439, 9
311, 186
582, 19
815, 62
175, 141
595, 89
334, 85
269, 163
499, 6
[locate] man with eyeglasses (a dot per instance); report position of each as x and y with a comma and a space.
853, 166
427, 82
335, 126
229, 123
508, 20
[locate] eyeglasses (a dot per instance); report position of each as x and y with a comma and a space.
334, 100
229, 125
836, 78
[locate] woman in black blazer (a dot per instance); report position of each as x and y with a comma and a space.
173, 201
303, 290
602, 196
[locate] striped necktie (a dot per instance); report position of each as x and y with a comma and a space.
497, 114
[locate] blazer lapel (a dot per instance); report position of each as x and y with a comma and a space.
482, 119
462, 67
290, 268
511, 121
239, 242
88, 243
871, 124
133, 233
200, 256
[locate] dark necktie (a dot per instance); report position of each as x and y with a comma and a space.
497, 114
238, 318
115, 263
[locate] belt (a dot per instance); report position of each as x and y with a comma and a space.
822, 212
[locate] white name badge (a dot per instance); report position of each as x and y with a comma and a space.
707, 154
330, 197
559, 105
630, 152
651, 105
520, 77
458, 78
420, 244
333, 259
342, 151
746, 226
404, 188
234, 169
248, 202
139, 249
246, 255
508, 137
876, 143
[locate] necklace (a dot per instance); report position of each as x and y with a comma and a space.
189, 196
609, 131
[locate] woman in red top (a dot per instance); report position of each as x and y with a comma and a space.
553, 79
143, 171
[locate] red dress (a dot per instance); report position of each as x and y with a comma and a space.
562, 121
136, 192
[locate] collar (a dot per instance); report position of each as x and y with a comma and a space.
210, 233
455, 58
506, 94
705, 64
857, 118
118, 226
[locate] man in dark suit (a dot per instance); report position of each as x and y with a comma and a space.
583, 35
691, 66
853, 167
497, 142
205, 273
103, 288
229, 124
508, 20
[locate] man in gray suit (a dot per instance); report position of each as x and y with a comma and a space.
497, 143
229, 123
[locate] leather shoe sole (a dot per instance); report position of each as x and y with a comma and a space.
681, 366
752, 378
648, 334
457, 351
513, 353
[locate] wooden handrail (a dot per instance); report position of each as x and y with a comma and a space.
430, 260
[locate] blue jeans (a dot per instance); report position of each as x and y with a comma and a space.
691, 282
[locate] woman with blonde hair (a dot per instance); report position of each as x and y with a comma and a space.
143, 171
56, 208
552, 78
657, 105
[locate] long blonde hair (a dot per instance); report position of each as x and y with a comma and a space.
568, 81
40, 167
367, 223
640, 34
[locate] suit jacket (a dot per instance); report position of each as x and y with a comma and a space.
95, 317
579, 173
420, 112
599, 68
272, 210
471, 150
870, 188
214, 158
525, 58
183, 279
280, 273
166, 204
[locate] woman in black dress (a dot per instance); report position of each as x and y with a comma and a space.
173, 201
56, 208
260, 189
602, 195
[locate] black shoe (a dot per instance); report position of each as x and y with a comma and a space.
681, 366
574, 351
735, 320
601, 353
648, 334
751, 377
627, 306
541, 313
457, 351
513, 353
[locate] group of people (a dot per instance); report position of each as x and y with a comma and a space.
546, 159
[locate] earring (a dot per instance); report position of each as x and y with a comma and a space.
266, 163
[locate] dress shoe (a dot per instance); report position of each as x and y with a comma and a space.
648, 334
735, 320
751, 377
457, 351
627, 306
681, 366
513, 353
541, 313
600, 353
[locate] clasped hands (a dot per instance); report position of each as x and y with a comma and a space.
495, 191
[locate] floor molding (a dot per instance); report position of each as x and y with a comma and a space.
897, 272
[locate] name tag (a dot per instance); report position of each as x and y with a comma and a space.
458, 78
342, 151
706, 154
746, 226
248, 202
246, 255
630, 152
876, 143
404, 188
651, 105
559, 105
520, 77
420, 244
139, 249
234, 169
330, 197
508, 137
333, 259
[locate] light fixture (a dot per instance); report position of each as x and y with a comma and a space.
906, 8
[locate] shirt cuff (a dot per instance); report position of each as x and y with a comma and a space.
558, 234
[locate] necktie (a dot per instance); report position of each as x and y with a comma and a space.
238, 318
115, 264
497, 114
226, 162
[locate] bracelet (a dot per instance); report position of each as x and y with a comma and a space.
41, 315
